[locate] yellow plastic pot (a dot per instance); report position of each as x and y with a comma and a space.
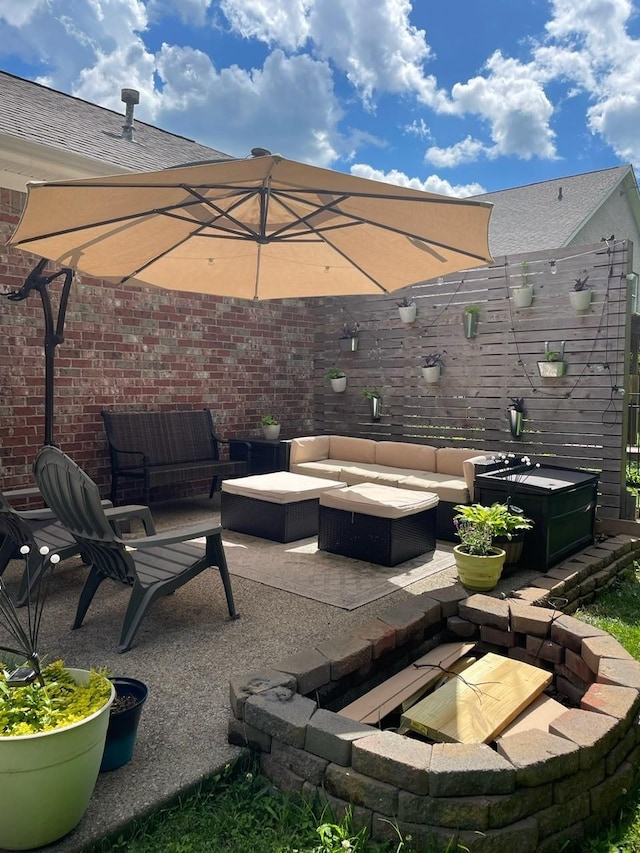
479, 573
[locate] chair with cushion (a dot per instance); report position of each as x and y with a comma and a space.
39, 528
153, 566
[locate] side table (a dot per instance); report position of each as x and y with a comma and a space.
266, 455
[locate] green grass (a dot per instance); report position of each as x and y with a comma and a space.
236, 811
616, 611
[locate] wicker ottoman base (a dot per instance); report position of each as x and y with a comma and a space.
386, 541
279, 522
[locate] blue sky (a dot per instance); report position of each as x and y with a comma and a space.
459, 97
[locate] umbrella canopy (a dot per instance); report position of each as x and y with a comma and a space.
260, 228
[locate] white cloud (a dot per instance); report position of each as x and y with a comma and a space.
18, 14
419, 128
281, 22
188, 11
467, 151
432, 184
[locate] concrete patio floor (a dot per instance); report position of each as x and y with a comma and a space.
186, 652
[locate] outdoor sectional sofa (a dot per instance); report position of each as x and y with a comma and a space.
445, 471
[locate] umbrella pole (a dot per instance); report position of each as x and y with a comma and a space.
52, 336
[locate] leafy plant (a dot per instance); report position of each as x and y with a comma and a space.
35, 698
349, 330
580, 284
472, 309
433, 359
371, 393
517, 404
405, 302
552, 355
334, 373
478, 525
270, 420
524, 271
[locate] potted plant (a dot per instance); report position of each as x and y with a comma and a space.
478, 560
580, 296
509, 526
337, 377
523, 293
349, 337
553, 364
407, 309
431, 367
53, 725
131, 694
470, 317
270, 427
516, 413
374, 396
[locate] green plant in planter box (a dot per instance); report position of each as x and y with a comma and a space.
478, 525
372, 393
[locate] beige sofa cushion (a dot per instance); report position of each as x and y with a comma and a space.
380, 501
309, 449
353, 449
330, 468
280, 487
469, 472
451, 489
449, 459
399, 454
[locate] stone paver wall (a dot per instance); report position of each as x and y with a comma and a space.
534, 791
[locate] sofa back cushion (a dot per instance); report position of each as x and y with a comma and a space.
352, 449
310, 448
400, 454
449, 459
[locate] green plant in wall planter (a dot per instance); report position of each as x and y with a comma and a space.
374, 396
349, 337
523, 293
554, 365
580, 295
431, 367
53, 726
337, 377
470, 317
270, 427
407, 309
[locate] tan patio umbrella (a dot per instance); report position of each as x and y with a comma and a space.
260, 228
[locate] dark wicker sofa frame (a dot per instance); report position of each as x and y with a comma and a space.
167, 448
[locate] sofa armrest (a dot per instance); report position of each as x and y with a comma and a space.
469, 472
310, 448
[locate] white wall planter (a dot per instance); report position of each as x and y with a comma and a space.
339, 384
47, 779
431, 374
470, 324
552, 369
580, 299
271, 432
407, 312
522, 296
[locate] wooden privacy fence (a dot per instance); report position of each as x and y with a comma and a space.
578, 419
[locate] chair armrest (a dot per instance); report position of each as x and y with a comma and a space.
131, 512
46, 514
170, 537
22, 494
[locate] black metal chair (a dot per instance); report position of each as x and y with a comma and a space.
153, 566
39, 528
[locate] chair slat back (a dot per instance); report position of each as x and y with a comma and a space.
13, 526
75, 499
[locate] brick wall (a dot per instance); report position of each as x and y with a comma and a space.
142, 348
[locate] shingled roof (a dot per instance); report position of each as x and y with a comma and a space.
36, 114
550, 213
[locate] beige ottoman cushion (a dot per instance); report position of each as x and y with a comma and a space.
378, 500
280, 487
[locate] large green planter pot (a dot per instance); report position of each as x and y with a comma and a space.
47, 779
479, 573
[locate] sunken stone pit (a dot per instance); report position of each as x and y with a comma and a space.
536, 790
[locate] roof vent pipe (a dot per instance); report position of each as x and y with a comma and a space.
130, 97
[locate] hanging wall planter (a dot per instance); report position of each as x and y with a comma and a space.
375, 402
431, 368
338, 379
522, 296
407, 310
515, 413
580, 296
470, 320
348, 340
554, 365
